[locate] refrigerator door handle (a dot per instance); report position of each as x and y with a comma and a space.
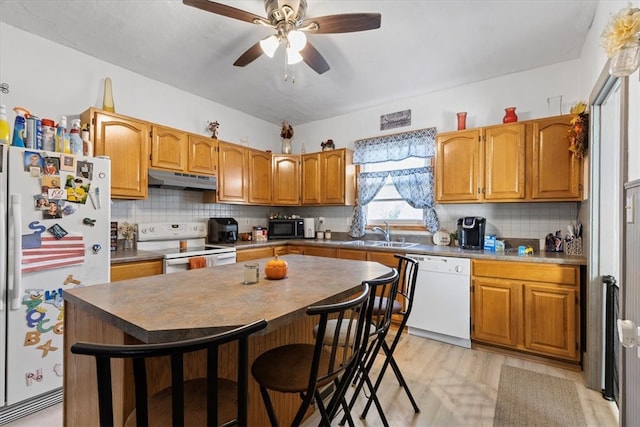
16, 290
3, 238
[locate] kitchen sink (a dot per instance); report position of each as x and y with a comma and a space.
380, 244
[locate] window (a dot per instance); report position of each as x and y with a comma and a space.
388, 205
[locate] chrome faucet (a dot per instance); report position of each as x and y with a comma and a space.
385, 232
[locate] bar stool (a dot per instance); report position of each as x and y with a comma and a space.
384, 291
307, 369
207, 399
408, 268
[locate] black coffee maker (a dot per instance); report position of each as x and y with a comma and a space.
223, 230
471, 232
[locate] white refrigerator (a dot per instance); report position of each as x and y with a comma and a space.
54, 236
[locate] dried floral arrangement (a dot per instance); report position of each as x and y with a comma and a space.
578, 134
622, 30
287, 131
128, 231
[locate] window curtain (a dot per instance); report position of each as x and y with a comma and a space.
415, 185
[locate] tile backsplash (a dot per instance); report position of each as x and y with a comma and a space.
524, 220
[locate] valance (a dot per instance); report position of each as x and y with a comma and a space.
399, 146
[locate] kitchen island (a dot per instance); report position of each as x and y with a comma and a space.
192, 304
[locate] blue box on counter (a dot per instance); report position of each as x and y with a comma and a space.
490, 243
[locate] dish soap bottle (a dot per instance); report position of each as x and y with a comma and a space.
75, 141
87, 145
62, 137
4, 126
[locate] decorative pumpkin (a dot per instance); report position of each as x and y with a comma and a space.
276, 269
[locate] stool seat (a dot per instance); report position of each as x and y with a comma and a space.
291, 372
381, 306
195, 405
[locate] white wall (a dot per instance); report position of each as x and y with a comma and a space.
52, 80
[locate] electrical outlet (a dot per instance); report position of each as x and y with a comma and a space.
321, 220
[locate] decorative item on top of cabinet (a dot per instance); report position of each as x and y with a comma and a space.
126, 141
328, 145
462, 120
213, 128
286, 133
510, 115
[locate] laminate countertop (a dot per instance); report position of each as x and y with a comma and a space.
422, 249
209, 300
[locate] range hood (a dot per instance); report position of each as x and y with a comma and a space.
181, 181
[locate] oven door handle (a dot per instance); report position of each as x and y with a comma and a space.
227, 255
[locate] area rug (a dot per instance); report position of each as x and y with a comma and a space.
527, 398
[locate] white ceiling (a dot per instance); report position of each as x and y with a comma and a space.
421, 47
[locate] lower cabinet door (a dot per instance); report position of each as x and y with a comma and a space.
550, 320
495, 311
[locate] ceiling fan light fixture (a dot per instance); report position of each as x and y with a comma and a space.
269, 45
293, 56
297, 40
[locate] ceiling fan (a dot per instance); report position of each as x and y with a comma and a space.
287, 17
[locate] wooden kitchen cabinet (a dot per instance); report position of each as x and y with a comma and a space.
168, 149
203, 155
328, 178
233, 177
321, 251
280, 250
557, 173
530, 307
356, 254
286, 179
385, 258
126, 141
260, 171
484, 164
254, 253
132, 270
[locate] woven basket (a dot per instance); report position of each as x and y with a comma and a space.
573, 247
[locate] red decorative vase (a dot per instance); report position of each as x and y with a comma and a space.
510, 115
462, 120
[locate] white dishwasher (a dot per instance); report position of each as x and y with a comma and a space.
441, 301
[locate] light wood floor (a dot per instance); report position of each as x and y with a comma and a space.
453, 386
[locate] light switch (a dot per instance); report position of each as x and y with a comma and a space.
629, 209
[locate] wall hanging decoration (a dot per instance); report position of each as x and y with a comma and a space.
286, 133
510, 115
621, 41
578, 134
395, 120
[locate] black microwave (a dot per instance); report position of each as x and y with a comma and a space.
286, 229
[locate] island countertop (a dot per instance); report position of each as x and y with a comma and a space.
209, 300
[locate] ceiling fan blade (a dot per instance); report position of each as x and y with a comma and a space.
249, 55
224, 10
345, 23
314, 59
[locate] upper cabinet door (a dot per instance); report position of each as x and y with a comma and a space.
333, 171
504, 154
233, 182
259, 177
126, 142
168, 149
286, 179
458, 166
557, 174
311, 179
203, 155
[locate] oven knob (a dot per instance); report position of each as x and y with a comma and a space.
459, 269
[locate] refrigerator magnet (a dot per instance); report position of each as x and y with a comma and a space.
85, 170
54, 211
57, 231
57, 369
51, 166
67, 162
96, 248
34, 376
32, 163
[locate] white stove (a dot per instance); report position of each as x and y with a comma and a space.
181, 241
